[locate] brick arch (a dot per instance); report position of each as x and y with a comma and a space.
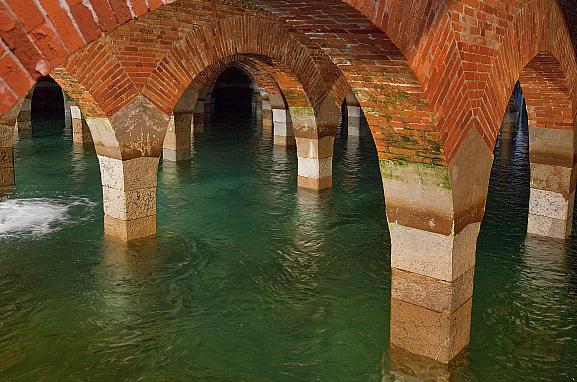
547, 94
241, 35
536, 49
40, 35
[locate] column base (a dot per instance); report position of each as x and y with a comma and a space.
409, 366
285, 141
81, 132
440, 336
7, 178
548, 227
315, 184
550, 214
127, 230
176, 155
6, 166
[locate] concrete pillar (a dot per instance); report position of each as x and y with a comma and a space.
283, 128
178, 142
129, 194
128, 145
552, 182
315, 162
354, 117
80, 130
434, 214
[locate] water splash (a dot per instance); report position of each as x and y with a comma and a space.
37, 216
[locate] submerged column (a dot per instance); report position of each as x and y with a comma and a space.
80, 130
354, 116
24, 119
315, 162
7, 130
178, 141
552, 182
434, 214
129, 194
128, 145
267, 117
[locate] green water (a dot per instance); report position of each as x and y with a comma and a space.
250, 279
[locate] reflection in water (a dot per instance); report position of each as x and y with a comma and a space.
409, 367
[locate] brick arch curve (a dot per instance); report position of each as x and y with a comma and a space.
40, 35
242, 35
537, 50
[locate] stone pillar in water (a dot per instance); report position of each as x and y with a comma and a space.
282, 122
315, 162
178, 141
7, 130
80, 130
128, 145
434, 214
551, 154
24, 119
267, 117
354, 125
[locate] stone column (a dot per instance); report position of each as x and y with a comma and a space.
128, 145
80, 130
7, 135
283, 128
129, 194
199, 117
6, 155
178, 142
354, 116
434, 214
552, 182
24, 120
315, 162
267, 117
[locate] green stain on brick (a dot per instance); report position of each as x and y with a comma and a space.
405, 171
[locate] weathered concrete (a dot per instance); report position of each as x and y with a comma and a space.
552, 182
315, 162
434, 215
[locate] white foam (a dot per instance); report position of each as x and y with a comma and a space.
35, 217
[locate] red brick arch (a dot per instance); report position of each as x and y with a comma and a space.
241, 35
37, 36
536, 49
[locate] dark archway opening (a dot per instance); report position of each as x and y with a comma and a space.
48, 106
233, 95
47, 101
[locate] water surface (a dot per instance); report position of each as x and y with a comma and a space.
250, 279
